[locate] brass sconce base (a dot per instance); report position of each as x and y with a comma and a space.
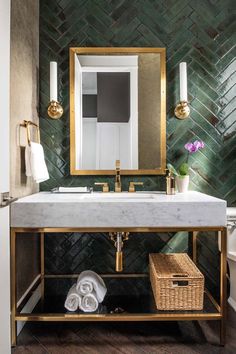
182, 110
55, 110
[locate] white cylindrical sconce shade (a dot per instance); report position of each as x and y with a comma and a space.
53, 81
183, 82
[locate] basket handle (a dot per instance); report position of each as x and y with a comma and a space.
179, 283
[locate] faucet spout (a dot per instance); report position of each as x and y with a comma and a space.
117, 178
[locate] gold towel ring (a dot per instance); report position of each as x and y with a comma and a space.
26, 125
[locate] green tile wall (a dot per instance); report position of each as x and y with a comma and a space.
200, 32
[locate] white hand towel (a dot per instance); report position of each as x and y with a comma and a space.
35, 163
90, 281
73, 299
89, 302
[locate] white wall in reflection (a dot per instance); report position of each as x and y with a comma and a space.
106, 127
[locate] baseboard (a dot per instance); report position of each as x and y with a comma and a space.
232, 303
30, 304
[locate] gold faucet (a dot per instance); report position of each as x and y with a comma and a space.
118, 179
132, 186
105, 186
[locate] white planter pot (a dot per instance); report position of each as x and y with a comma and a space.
182, 183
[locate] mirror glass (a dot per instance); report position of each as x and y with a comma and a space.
117, 111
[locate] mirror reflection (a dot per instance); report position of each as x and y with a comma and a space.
109, 122
117, 111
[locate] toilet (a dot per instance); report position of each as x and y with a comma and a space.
231, 254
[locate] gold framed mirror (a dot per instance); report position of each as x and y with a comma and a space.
117, 110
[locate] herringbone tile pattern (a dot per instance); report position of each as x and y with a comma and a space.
200, 32
75, 252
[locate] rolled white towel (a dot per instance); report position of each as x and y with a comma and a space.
73, 299
89, 302
90, 281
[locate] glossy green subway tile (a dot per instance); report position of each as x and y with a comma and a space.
199, 32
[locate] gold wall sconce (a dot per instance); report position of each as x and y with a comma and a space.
55, 109
182, 109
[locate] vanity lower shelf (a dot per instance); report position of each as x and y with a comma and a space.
137, 304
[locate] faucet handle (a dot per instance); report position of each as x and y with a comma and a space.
105, 186
132, 186
117, 164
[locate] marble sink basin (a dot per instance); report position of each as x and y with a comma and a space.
117, 196
103, 210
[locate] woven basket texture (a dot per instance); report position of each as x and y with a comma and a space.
176, 281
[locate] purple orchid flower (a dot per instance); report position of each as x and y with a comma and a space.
194, 147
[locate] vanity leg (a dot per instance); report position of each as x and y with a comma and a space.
42, 266
193, 245
13, 288
223, 285
195, 233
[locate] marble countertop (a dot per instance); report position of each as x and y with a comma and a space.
144, 209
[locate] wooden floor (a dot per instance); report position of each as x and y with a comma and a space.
126, 338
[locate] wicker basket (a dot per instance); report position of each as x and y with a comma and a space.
177, 283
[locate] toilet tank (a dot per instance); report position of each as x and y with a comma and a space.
231, 232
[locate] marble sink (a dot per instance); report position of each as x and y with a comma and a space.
140, 209
116, 196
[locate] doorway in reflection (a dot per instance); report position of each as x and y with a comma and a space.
108, 116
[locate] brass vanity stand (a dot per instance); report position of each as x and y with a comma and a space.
218, 314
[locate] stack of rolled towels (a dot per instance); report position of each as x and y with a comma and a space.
87, 293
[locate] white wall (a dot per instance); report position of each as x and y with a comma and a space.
113, 143
4, 91
5, 347
89, 143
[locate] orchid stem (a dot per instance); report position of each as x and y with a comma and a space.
188, 157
